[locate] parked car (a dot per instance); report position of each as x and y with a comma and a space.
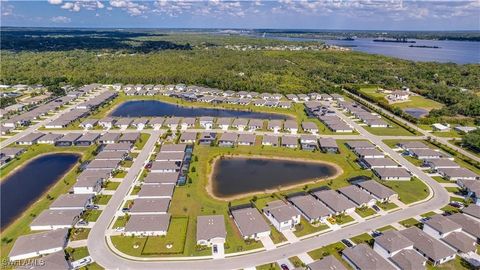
347, 242
284, 267
125, 209
376, 208
215, 249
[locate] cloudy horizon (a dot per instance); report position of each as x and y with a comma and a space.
281, 14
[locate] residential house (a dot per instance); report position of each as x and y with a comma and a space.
310, 208
68, 139
150, 206
275, 125
188, 137
250, 223
147, 225
337, 203
240, 124
228, 139
454, 174
206, 122
328, 145
38, 244
282, 216
49, 138
224, 123
55, 219
211, 230
362, 257
357, 196
378, 191
399, 174
291, 126
246, 139
310, 127
289, 141
270, 140
109, 138
207, 138
431, 248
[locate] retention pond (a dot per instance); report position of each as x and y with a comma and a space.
150, 108
25, 186
236, 176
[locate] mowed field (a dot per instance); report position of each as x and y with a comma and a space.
414, 102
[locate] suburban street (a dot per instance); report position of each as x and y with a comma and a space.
102, 254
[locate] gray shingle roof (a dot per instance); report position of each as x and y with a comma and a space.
250, 221
431, 247
393, 241
333, 200
36, 242
280, 210
310, 206
209, 227
327, 263
365, 258
409, 259
148, 223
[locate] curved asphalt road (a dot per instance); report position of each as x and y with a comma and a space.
101, 253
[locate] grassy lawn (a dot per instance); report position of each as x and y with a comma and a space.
79, 234
450, 209
91, 215
110, 185
276, 236
343, 219
156, 245
92, 266
408, 191
392, 130
77, 253
21, 225
414, 101
409, 222
121, 221
386, 228
448, 134
453, 189
102, 199
192, 200
305, 228
457, 264
428, 214
142, 140
127, 163
296, 261
332, 249
120, 174
440, 179
363, 238
268, 266
365, 212
386, 205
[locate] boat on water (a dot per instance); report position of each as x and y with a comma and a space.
396, 40
424, 46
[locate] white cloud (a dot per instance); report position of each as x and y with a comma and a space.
7, 10
55, 2
60, 19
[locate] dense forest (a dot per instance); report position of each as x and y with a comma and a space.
472, 140
457, 86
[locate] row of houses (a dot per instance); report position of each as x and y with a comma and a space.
440, 240
232, 139
206, 122
81, 110
327, 117
366, 116
49, 107
7, 154
148, 212
78, 139
66, 211
317, 206
26, 118
372, 158
150, 89
437, 161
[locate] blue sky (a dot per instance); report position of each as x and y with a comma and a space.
294, 14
